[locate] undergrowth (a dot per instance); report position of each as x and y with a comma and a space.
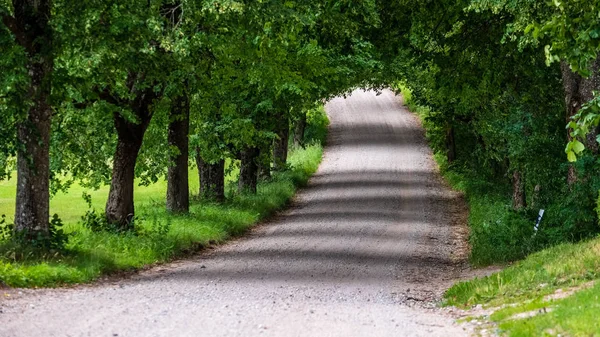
576, 315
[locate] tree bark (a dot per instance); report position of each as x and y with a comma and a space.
535, 198
216, 181
212, 178
202, 173
299, 131
248, 170
578, 91
450, 145
178, 192
32, 31
280, 145
519, 201
264, 160
119, 206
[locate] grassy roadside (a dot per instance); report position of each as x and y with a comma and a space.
160, 236
552, 292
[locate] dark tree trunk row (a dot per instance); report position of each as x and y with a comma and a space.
215, 187
450, 145
32, 30
264, 167
178, 195
299, 129
202, 172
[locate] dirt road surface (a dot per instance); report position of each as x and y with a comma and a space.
363, 251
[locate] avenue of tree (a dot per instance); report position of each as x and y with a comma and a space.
106, 92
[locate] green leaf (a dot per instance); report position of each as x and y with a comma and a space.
571, 156
578, 146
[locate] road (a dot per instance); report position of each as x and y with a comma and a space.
364, 250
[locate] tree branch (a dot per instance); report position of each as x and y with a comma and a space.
12, 25
105, 95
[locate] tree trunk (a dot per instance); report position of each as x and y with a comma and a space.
535, 198
248, 170
578, 91
264, 159
519, 201
32, 31
280, 145
178, 192
119, 206
202, 174
299, 131
212, 178
216, 181
450, 145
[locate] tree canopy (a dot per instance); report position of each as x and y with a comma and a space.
99, 91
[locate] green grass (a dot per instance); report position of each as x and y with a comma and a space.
525, 286
541, 273
574, 316
71, 206
90, 255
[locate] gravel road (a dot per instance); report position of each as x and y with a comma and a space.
365, 250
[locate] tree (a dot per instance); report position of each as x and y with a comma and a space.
570, 34
178, 196
121, 78
30, 24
